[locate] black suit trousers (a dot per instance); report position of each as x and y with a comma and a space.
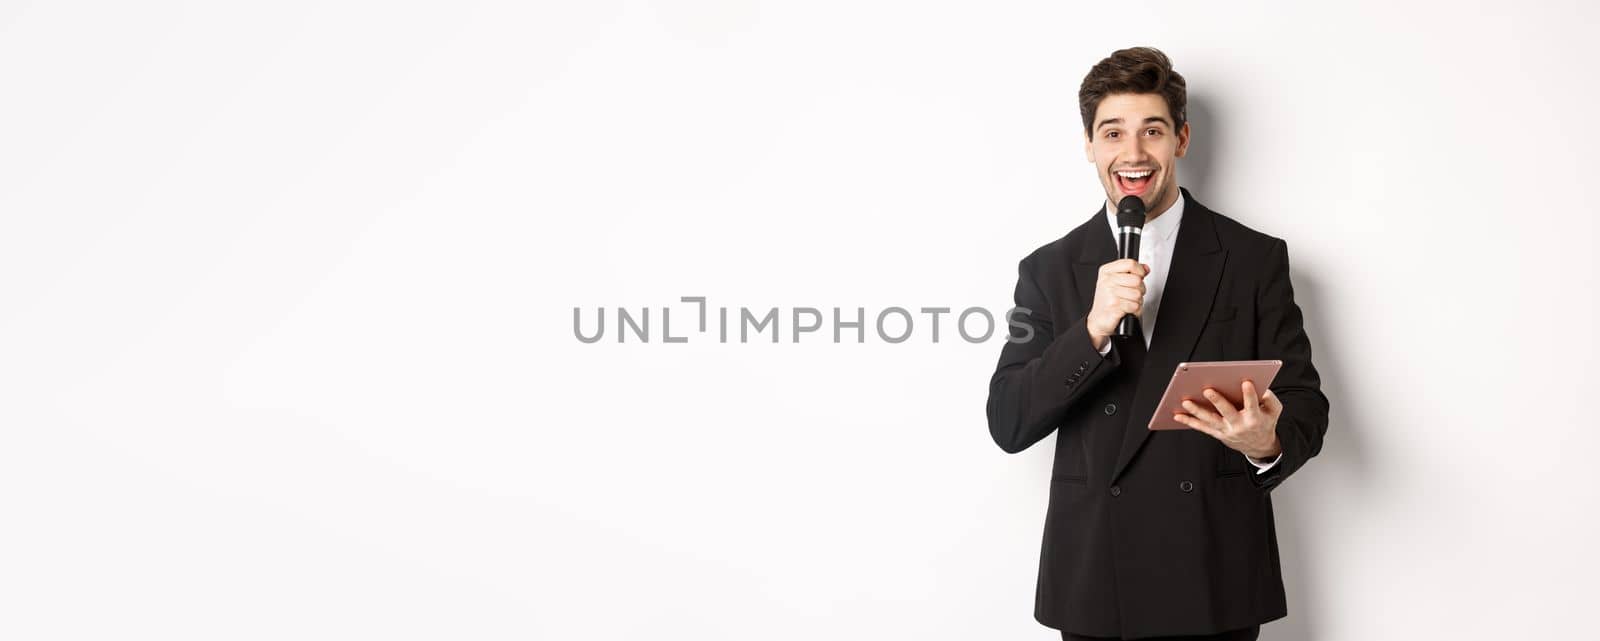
1242, 634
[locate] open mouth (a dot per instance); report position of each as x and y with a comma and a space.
1134, 182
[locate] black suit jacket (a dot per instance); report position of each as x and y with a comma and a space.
1155, 533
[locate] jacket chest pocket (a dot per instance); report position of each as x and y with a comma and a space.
1217, 337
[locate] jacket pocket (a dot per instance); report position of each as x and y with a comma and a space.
1229, 462
1071, 457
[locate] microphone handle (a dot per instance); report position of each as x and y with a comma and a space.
1125, 327
1128, 247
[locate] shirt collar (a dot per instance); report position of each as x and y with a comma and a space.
1157, 230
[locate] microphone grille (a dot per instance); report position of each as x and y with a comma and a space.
1130, 212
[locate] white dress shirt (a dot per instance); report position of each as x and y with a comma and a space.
1155, 250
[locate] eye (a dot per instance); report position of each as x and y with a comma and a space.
1111, 134
1153, 131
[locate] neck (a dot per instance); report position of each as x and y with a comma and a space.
1166, 202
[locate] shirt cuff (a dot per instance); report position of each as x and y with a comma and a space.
1261, 468
1107, 349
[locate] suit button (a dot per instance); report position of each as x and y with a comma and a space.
1186, 486
1111, 408
1116, 491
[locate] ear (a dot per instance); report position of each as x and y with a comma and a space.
1183, 140
1088, 146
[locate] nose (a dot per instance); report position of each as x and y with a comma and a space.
1136, 150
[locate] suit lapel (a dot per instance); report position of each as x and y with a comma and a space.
1100, 248
1192, 279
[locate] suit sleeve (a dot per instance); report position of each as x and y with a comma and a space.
1280, 334
1040, 375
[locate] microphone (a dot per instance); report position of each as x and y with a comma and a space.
1130, 225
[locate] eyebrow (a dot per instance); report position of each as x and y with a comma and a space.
1118, 121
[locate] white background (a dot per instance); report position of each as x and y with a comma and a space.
287, 343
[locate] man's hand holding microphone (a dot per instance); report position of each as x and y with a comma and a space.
1119, 291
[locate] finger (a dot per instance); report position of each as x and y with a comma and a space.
1128, 293
1198, 425
1272, 403
1198, 411
1119, 266
1252, 404
1126, 280
1223, 406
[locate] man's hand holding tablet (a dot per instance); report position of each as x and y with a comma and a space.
1247, 422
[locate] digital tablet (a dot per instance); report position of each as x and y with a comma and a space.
1189, 381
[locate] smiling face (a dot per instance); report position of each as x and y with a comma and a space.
1134, 148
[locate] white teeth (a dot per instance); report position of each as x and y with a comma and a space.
1134, 174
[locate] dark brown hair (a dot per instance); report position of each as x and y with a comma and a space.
1134, 70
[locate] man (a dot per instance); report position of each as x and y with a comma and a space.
1170, 533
